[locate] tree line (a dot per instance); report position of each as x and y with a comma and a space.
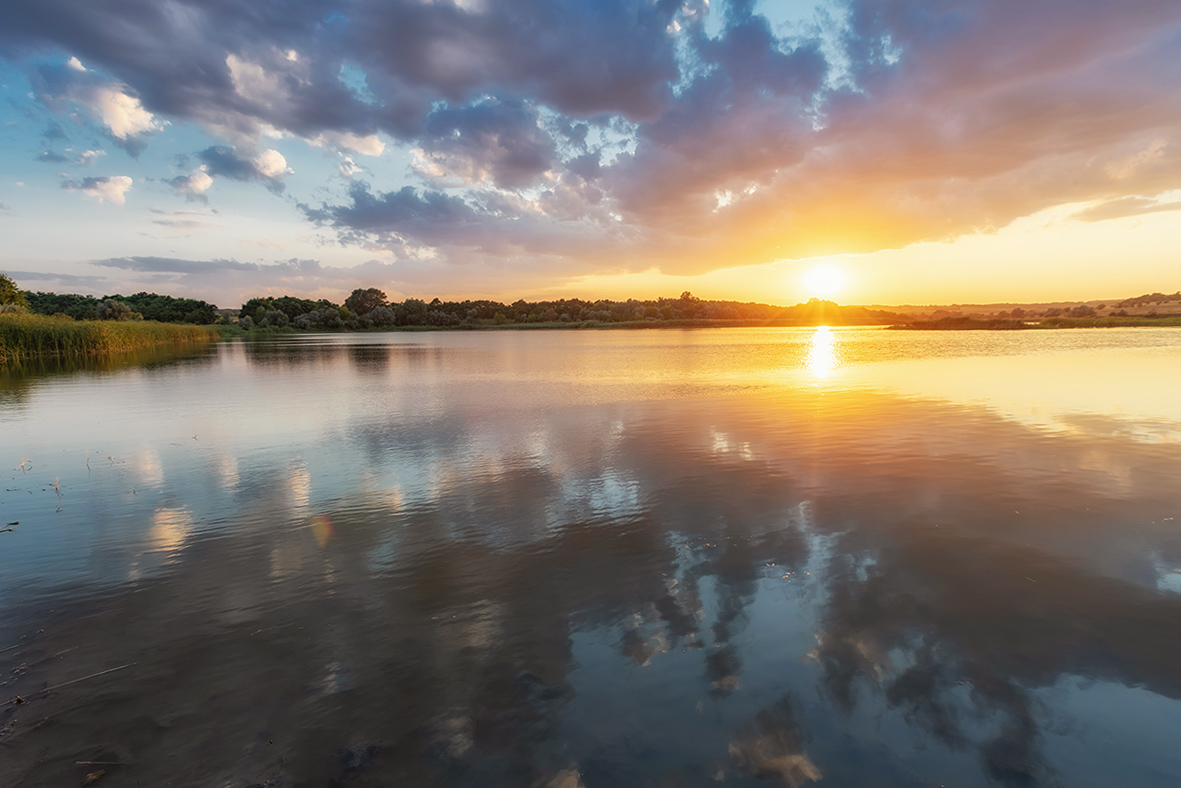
368, 308
140, 306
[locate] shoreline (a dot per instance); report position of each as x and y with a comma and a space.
25, 336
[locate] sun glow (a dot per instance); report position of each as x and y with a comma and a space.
824, 281
822, 356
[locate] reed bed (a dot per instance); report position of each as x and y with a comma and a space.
29, 336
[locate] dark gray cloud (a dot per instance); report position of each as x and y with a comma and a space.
64, 280
193, 186
228, 66
53, 132
174, 265
105, 188
223, 161
403, 211
495, 141
69, 157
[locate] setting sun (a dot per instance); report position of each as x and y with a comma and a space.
824, 281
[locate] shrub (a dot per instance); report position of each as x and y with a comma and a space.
273, 318
110, 309
380, 317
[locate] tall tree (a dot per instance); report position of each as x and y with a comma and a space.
362, 302
10, 293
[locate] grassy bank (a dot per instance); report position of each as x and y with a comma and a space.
32, 336
1111, 322
1001, 324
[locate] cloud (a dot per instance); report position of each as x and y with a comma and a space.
268, 167
567, 136
347, 167
239, 280
401, 211
185, 224
493, 141
368, 145
62, 280
194, 185
173, 265
1125, 206
271, 164
108, 188
109, 102
84, 158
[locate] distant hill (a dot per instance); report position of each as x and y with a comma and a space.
1149, 304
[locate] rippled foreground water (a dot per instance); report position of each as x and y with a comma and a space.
561, 559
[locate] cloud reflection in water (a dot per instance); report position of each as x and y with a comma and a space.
526, 583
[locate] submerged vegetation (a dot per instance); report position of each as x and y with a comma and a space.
29, 336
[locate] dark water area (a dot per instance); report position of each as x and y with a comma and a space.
664, 558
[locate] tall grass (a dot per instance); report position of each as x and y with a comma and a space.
29, 336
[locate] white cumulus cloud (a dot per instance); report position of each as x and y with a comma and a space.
108, 188
122, 113
368, 145
271, 164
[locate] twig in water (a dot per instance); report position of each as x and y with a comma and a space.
72, 681
24, 466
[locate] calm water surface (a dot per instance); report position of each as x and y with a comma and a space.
744, 557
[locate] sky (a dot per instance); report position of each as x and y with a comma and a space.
927, 151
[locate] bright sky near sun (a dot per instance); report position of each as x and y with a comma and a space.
872, 151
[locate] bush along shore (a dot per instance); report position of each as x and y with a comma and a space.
30, 336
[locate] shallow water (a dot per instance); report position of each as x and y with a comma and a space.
846, 557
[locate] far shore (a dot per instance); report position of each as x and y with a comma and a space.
27, 336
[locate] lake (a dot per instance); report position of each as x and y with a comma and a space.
574, 559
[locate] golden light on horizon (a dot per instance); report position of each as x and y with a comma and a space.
824, 281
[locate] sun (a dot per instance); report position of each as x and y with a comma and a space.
824, 281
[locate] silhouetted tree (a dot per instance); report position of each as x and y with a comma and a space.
364, 301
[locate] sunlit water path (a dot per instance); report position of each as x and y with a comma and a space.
844, 557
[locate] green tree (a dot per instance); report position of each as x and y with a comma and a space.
10, 293
110, 309
362, 302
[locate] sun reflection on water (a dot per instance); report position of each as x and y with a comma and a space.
822, 356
